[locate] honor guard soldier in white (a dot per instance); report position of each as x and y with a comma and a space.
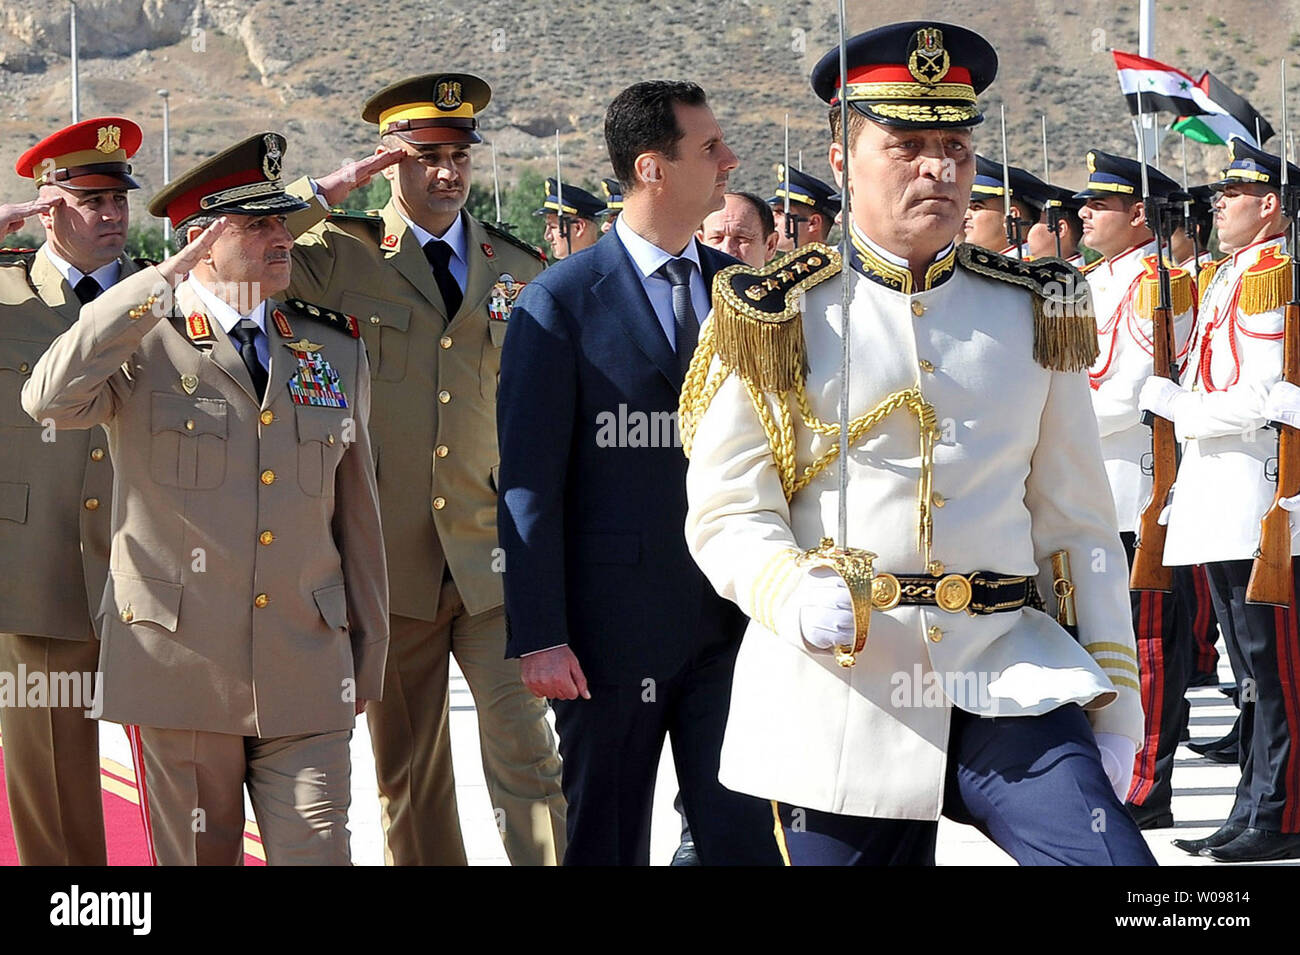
56, 491
985, 223
974, 462
246, 608
1229, 392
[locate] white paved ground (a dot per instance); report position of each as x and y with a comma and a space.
1202, 792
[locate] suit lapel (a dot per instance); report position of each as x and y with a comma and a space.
622, 294
223, 353
483, 272
402, 251
54, 289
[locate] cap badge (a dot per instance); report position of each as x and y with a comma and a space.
928, 62
449, 95
272, 157
110, 139
190, 383
1232, 150
1092, 162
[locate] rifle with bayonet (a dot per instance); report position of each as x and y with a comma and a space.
1010, 219
1270, 577
562, 222
1149, 570
1053, 207
790, 223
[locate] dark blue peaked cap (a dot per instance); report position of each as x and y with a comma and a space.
920, 74
1025, 186
806, 189
577, 202
1110, 175
1247, 163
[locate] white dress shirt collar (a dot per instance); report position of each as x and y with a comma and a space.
105, 275
225, 313
648, 257
455, 235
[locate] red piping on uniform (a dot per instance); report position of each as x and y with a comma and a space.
137, 759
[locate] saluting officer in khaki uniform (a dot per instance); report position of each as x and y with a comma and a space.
246, 609
55, 494
432, 289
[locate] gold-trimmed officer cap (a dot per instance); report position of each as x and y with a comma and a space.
242, 180
917, 75
1250, 164
88, 155
433, 109
577, 202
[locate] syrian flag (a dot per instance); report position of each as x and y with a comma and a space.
1163, 88
1226, 115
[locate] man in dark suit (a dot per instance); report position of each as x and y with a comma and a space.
612, 619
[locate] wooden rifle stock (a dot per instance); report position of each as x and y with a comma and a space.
1270, 577
1149, 571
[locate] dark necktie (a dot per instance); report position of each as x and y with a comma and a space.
687, 325
439, 255
245, 333
87, 289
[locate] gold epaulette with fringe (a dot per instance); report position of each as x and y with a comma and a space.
1181, 290
1065, 328
1266, 285
1208, 271
757, 328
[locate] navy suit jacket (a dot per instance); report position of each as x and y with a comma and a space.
592, 481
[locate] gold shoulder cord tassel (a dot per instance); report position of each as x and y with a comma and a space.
1208, 271
1266, 285
1065, 333
1181, 294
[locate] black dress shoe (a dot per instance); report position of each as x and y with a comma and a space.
686, 855
1221, 836
1151, 817
1257, 845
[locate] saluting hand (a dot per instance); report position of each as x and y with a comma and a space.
335, 187
176, 267
13, 215
555, 674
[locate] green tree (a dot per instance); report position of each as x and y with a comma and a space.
146, 242
373, 195
21, 240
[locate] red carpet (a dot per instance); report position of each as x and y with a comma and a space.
123, 828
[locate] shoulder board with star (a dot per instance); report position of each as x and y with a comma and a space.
1065, 329
757, 328
1181, 290
326, 316
1266, 284
518, 243
369, 216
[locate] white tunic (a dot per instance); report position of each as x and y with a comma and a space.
1020, 473
1123, 363
1225, 481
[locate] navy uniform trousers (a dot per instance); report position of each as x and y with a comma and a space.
1200, 618
1264, 649
1164, 651
1033, 784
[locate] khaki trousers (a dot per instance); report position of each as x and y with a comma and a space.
51, 757
193, 794
412, 743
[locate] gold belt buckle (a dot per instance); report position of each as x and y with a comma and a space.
953, 593
885, 592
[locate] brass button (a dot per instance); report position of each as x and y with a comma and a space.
266, 417
927, 365
92, 503
441, 450
265, 538
127, 614
96, 454
938, 499
268, 476
444, 396
329, 439
935, 568
918, 309
133, 314
374, 319
935, 634
24, 367
439, 503
189, 425
445, 341
261, 600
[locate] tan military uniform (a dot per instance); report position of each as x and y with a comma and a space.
228, 607
55, 498
434, 429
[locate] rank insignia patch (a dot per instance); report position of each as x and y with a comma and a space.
281, 323
390, 241
488, 250
199, 328
314, 382
504, 293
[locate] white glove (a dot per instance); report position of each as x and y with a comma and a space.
825, 609
1117, 755
1159, 395
1283, 404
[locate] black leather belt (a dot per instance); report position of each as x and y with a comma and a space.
982, 592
